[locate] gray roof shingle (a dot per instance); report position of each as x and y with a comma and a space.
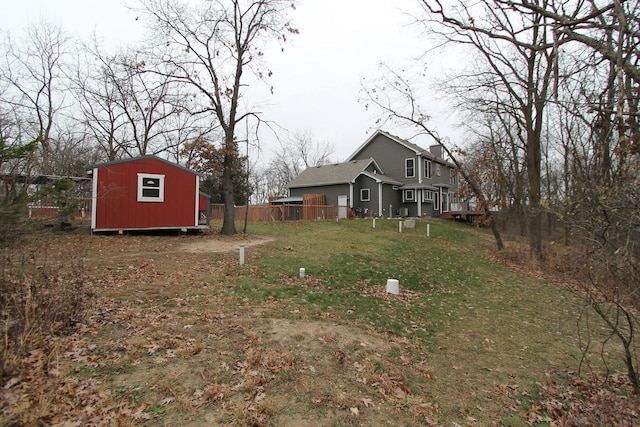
338, 173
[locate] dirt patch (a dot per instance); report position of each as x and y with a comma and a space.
246, 371
223, 244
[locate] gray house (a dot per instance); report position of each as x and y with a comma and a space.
386, 176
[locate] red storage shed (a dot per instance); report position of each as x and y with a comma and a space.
147, 193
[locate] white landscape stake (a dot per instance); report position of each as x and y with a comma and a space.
393, 287
374, 223
428, 230
302, 273
400, 226
241, 254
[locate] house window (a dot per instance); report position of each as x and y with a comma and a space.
427, 195
409, 168
452, 176
150, 187
436, 201
427, 168
408, 196
364, 195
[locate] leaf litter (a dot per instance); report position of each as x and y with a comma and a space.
166, 345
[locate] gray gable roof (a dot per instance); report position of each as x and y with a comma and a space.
338, 173
380, 178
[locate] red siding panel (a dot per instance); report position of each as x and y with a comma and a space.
117, 206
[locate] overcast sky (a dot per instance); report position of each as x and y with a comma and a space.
317, 79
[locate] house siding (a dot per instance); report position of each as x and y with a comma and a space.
331, 192
390, 156
366, 208
390, 198
385, 177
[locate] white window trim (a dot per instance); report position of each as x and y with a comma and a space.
436, 201
362, 198
452, 176
427, 195
141, 187
427, 168
405, 199
406, 168
446, 206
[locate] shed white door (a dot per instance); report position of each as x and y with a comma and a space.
343, 205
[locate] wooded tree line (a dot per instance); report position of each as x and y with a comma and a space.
550, 100
65, 104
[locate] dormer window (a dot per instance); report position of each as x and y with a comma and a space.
409, 168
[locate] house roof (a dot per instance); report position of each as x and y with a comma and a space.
135, 159
294, 199
382, 178
337, 173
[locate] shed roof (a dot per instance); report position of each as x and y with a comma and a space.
293, 199
337, 173
136, 159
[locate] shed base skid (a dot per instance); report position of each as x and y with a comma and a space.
151, 230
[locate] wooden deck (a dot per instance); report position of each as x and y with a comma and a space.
477, 218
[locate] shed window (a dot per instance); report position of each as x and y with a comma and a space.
364, 195
150, 187
409, 168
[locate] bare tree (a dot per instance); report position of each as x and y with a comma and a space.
128, 111
601, 142
209, 45
611, 30
395, 98
293, 156
94, 87
519, 49
33, 70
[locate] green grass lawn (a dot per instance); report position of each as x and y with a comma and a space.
479, 325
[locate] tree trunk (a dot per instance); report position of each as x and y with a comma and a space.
535, 212
228, 223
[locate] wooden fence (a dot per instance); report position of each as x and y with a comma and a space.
48, 209
273, 213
